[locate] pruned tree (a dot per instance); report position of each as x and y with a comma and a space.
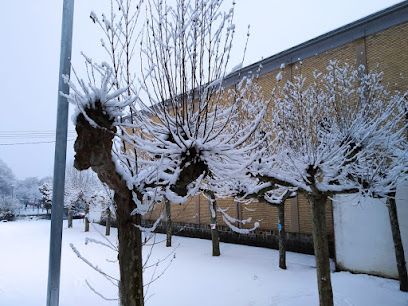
277, 198
102, 143
105, 199
344, 133
245, 189
158, 134
190, 119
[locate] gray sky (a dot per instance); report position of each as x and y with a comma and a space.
29, 59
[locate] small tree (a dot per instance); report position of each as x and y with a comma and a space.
106, 197
246, 189
277, 199
46, 192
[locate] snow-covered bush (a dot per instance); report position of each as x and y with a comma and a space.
10, 209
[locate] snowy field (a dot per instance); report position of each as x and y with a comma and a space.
240, 276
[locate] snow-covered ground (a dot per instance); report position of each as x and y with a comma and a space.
240, 276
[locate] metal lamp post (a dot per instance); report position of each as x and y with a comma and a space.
57, 210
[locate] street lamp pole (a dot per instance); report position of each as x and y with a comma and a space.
57, 210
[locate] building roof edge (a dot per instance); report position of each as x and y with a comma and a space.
360, 28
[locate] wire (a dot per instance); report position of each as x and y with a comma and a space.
28, 143
31, 134
33, 131
44, 136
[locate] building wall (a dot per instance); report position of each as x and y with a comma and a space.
387, 51
196, 211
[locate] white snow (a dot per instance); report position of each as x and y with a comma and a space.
240, 276
279, 76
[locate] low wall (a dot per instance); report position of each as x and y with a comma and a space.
363, 238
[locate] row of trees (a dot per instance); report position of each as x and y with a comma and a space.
25, 190
172, 129
82, 191
18, 194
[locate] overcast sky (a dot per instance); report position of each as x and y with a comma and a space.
29, 59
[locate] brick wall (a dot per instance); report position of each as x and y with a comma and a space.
196, 211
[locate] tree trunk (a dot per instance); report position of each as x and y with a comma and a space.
321, 248
130, 254
282, 236
399, 249
108, 222
86, 217
93, 148
70, 216
214, 229
168, 222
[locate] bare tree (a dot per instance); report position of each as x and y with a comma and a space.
106, 198
277, 199
246, 189
341, 134
158, 134
188, 117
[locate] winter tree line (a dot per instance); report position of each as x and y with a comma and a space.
156, 122
82, 190
16, 195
